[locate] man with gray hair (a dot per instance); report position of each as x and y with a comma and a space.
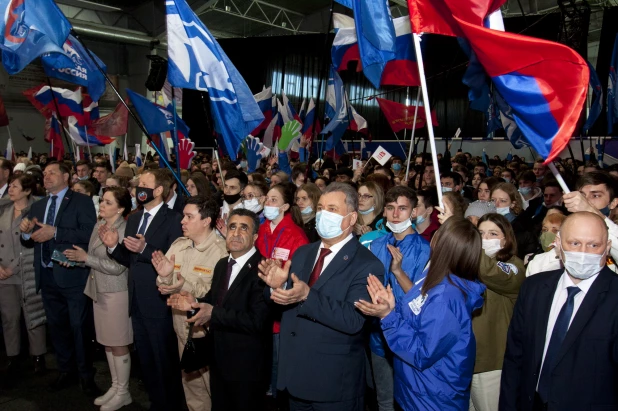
322, 355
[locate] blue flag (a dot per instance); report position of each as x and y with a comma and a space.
597, 96
493, 116
76, 66
375, 34
196, 61
337, 110
31, 28
612, 97
156, 119
512, 130
476, 79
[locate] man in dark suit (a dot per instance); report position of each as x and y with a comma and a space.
6, 172
57, 222
174, 199
154, 228
562, 345
322, 348
240, 329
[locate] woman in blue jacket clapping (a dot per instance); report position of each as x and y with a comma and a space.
430, 329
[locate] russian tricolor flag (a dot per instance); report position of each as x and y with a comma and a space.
345, 44
307, 129
264, 101
291, 112
69, 102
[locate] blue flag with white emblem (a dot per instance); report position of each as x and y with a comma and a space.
30, 28
196, 61
155, 118
76, 66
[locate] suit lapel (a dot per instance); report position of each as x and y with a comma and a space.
158, 219
343, 258
591, 301
545, 298
249, 265
307, 267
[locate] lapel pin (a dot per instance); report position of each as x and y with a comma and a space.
249, 265
345, 258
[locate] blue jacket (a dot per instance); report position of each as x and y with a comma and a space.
433, 345
367, 238
415, 250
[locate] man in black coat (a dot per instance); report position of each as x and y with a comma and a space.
322, 341
57, 222
562, 344
240, 329
154, 228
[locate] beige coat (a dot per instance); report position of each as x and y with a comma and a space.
196, 264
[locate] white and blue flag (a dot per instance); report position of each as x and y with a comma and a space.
196, 61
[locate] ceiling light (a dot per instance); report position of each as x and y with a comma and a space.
284, 24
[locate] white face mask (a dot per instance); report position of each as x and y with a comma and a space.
251, 205
446, 189
399, 228
366, 211
503, 210
307, 210
491, 247
271, 212
582, 265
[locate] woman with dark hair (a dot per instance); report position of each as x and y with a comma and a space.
87, 188
503, 273
256, 178
429, 331
322, 182
108, 287
307, 198
17, 286
197, 185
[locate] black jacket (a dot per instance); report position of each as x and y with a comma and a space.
240, 329
585, 376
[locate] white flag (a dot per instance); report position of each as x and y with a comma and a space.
138, 155
125, 155
30, 153
381, 155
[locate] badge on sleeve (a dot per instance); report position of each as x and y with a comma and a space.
508, 267
416, 304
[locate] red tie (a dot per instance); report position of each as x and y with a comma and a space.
317, 269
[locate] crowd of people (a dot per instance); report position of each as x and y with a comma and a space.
321, 286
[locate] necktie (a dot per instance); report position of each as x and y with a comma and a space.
225, 282
49, 219
317, 269
557, 337
142, 228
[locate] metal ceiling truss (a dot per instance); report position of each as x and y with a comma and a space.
257, 11
575, 24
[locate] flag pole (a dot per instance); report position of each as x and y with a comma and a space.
133, 115
321, 78
64, 132
558, 177
175, 136
418, 97
89, 153
432, 141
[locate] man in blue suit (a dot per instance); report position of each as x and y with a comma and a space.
57, 222
322, 353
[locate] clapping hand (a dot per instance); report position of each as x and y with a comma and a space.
299, 292
382, 299
5, 272
45, 233
184, 301
162, 264
271, 272
135, 244
26, 226
397, 259
222, 226
77, 254
108, 235
173, 288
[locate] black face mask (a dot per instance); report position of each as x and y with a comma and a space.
232, 198
144, 195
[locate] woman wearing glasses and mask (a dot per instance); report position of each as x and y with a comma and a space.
370, 207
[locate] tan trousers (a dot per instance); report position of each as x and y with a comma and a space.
196, 386
485, 391
10, 312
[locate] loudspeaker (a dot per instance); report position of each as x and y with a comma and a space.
157, 74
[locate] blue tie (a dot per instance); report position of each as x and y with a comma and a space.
51, 216
557, 337
142, 228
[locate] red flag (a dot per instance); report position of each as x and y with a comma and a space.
4, 118
401, 117
437, 16
112, 125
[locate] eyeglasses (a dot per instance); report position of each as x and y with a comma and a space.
248, 197
365, 196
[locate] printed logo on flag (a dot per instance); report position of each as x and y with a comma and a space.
381, 155
15, 30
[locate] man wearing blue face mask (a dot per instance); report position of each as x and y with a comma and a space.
404, 254
452, 181
397, 167
562, 339
322, 357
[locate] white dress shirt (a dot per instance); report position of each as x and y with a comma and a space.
172, 202
240, 263
560, 297
3, 189
333, 252
153, 212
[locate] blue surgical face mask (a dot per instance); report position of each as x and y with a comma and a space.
446, 189
396, 166
503, 210
271, 213
366, 211
307, 210
328, 224
243, 164
506, 179
525, 190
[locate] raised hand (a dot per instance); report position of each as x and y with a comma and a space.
397, 259
254, 147
174, 288
26, 226
135, 244
45, 233
109, 236
382, 299
78, 254
271, 272
163, 266
289, 133
181, 301
299, 292
185, 153
445, 213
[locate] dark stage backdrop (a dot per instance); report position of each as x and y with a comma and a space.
295, 64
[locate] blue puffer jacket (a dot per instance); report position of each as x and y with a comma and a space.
367, 238
415, 250
433, 344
